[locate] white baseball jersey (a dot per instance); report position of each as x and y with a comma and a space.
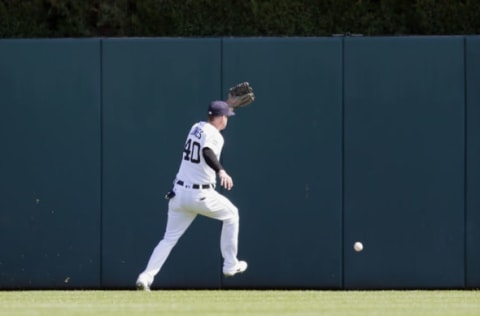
193, 168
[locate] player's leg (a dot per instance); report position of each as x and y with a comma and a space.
217, 206
229, 243
177, 223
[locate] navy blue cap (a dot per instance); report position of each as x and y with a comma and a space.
219, 108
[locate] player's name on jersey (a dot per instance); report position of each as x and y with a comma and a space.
197, 132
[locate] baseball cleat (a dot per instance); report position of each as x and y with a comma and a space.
141, 286
240, 268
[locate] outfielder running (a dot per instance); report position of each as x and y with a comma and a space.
194, 193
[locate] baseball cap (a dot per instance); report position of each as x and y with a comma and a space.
219, 108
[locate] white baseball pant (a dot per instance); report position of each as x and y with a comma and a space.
182, 210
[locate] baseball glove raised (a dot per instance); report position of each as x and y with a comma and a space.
240, 95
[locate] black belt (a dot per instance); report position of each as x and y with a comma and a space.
196, 186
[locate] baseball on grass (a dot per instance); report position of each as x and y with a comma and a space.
358, 246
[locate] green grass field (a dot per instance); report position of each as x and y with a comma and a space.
229, 302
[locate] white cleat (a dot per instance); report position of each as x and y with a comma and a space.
240, 268
142, 286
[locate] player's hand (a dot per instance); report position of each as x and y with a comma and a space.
225, 180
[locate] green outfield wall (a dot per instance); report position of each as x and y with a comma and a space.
50, 163
371, 139
472, 174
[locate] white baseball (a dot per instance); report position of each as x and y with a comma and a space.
358, 246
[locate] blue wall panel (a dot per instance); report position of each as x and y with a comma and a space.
473, 159
153, 91
285, 155
50, 163
404, 162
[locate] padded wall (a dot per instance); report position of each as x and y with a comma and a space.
285, 154
404, 162
50, 163
473, 159
370, 139
153, 91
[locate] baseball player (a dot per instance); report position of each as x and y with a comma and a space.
194, 193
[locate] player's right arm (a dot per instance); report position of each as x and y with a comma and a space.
212, 161
225, 180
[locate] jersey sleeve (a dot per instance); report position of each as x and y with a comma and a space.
214, 142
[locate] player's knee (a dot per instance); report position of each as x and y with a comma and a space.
234, 217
